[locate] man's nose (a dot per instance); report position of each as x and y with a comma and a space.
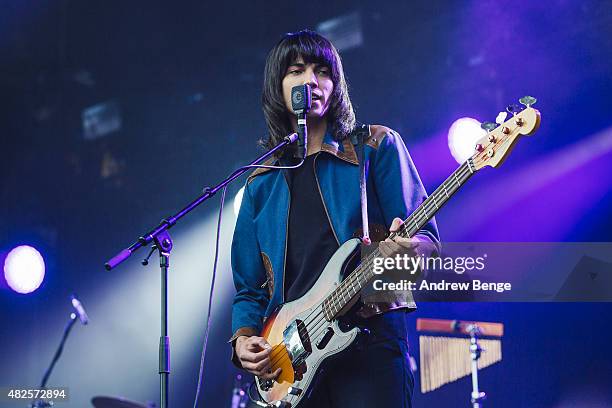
311, 78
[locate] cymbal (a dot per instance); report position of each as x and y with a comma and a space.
115, 402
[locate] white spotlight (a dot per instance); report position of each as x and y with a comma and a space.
462, 137
238, 201
24, 269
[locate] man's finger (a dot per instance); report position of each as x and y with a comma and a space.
260, 342
406, 242
396, 224
257, 348
250, 367
255, 367
272, 375
389, 247
263, 366
255, 357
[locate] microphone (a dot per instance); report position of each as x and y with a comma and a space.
301, 102
79, 309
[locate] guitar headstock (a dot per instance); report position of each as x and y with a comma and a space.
492, 149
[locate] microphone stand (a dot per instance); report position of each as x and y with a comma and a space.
163, 244
58, 353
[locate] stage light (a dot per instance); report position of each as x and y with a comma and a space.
238, 201
345, 31
462, 137
101, 119
24, 269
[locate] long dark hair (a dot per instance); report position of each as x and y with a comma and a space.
313, 48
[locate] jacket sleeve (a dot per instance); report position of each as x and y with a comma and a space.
398, 186
251, 299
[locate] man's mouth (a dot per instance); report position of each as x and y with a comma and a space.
316, 97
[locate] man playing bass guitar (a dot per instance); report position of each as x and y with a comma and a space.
291, 221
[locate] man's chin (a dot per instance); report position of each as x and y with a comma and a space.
316, 114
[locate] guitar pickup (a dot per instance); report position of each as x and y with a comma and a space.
325, 339
297, 342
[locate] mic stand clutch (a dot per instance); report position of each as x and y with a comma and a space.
163, 242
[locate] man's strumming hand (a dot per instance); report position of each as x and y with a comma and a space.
254, 355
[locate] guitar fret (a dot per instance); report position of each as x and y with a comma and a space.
445, 190
433, 197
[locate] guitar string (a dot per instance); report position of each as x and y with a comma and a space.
344, 288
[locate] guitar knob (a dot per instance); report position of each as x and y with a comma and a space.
514, 109
528, 101
479, 147
488, 126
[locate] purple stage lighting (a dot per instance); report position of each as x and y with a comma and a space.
462, 137
24, 269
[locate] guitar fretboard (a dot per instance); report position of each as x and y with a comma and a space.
361, 276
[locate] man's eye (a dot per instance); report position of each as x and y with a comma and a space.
324, 72
295, 71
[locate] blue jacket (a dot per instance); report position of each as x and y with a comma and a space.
259, 247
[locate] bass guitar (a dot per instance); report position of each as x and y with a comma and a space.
306, 331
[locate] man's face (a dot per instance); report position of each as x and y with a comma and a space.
318, 77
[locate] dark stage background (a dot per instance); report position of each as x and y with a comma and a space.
180, 88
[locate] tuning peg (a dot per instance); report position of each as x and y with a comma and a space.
488, 126
514, 108
501, 117
528, 101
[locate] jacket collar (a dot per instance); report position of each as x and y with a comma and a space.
344, 150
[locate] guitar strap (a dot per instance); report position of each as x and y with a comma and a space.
358, 137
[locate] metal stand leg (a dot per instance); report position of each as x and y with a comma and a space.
164, 245
475, 350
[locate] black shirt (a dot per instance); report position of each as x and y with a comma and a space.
311, 240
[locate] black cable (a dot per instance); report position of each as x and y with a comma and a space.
210, 297
212, 285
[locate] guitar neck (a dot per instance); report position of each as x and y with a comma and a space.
360, 277
436, 200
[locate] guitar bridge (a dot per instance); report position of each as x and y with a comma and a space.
264, 384
297, 342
